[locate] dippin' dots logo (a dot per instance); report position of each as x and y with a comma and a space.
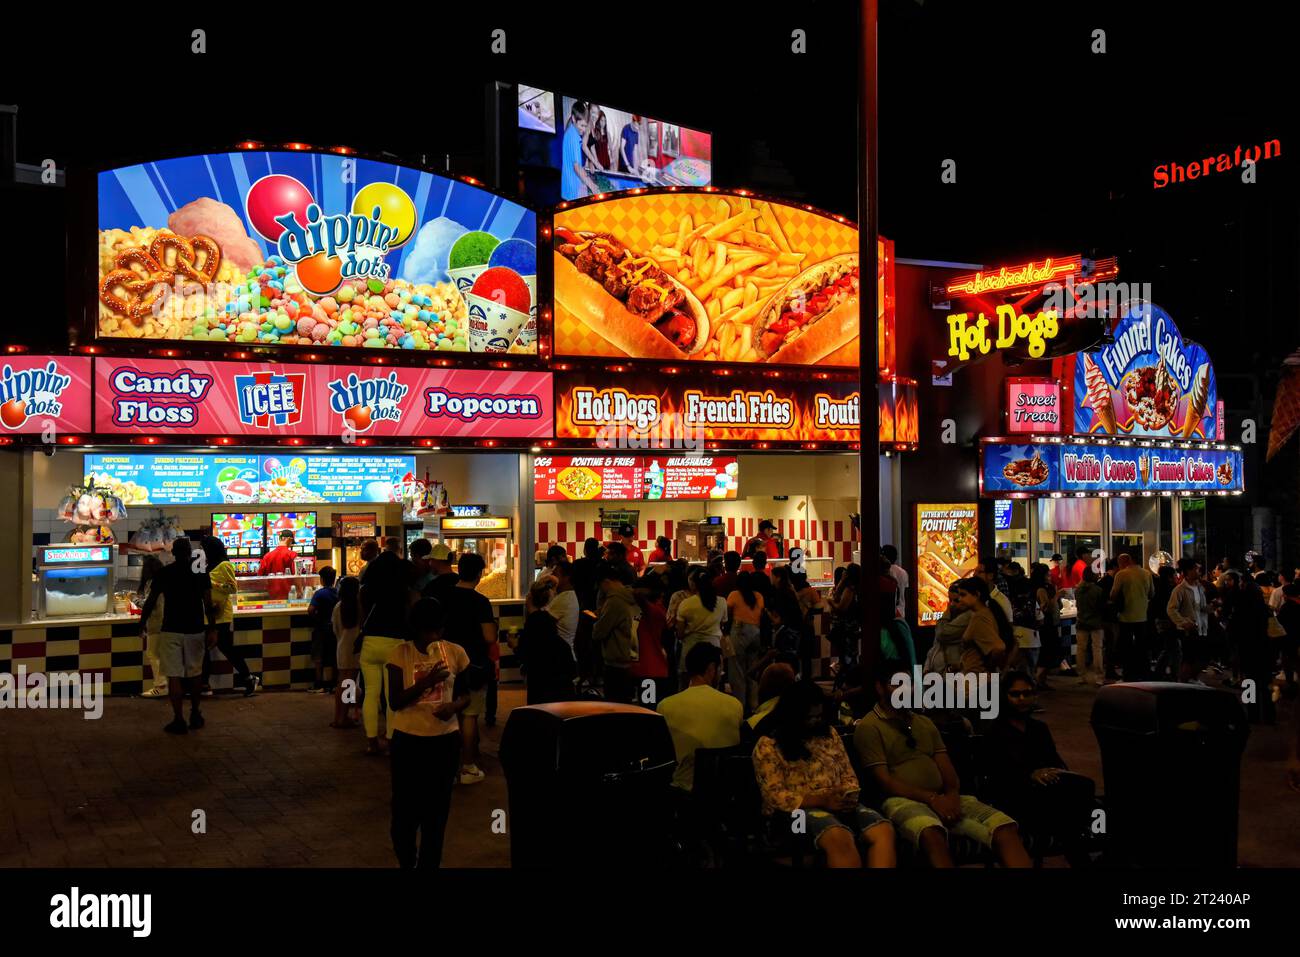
363, 402
31, 392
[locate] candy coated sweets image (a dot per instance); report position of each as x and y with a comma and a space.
266, 248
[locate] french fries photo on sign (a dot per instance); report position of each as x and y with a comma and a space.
706, 276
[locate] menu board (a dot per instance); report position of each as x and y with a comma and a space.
947, 550
634, 479
1037, 469
691, 477
587, 478
302, 524
250, 479
355, 478
176, 479
243, 535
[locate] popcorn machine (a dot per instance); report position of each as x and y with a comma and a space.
490, 536
351, 530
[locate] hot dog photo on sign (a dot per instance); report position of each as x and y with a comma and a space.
706, 277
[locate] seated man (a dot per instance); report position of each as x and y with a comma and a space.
701, 716
907, 759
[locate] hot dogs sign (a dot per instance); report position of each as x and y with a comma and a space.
1150, 381
704, 276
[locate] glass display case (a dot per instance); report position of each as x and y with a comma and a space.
271, 592
488, 536
74, 580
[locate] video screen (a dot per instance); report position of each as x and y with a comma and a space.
589, 148
536, 109
243, 535
302, 524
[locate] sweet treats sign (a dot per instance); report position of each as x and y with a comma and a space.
1149, 381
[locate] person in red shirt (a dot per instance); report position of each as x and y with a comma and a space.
1082, 559
280, 560
634, 556
1059, 575
725, 583
764, 541
663, 550
652, 661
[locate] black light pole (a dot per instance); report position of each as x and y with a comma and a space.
868, 431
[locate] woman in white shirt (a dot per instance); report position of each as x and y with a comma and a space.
699, 617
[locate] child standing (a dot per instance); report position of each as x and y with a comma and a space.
323, 642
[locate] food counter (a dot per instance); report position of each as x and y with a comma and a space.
276, 643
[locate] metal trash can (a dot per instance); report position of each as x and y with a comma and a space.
588, 784
1171, 758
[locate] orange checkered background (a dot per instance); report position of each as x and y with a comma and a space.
642, 221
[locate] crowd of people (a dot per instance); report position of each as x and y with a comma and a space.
727, 656
1130, 624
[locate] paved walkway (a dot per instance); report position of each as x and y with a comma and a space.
280, 788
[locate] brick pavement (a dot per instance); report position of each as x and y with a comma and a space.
280, 788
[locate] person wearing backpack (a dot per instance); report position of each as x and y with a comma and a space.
615, 631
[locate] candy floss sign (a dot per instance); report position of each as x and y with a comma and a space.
222, 398
37, 392
1150, 381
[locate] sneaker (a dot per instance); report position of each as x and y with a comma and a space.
206, 693
155, 693
471, 774
252, 686
316, 691
196, 721
176, 727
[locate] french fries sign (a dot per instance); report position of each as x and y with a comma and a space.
706, 277
947, 549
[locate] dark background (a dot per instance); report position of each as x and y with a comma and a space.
1054, 144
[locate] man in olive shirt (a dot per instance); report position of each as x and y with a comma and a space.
908, 762
1132, 593
701, 716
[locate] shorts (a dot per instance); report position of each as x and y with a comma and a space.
324, 648
978, 820
181, 656
477, 703
857, 822
344, 656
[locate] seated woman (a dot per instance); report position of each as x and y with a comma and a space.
801, 765
1028, 779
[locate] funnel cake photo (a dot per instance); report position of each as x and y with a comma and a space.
1026, 472
1152, 396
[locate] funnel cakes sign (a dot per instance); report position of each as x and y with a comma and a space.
1148, 382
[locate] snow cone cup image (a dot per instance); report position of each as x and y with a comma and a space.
493, 326
520, 256
498, 309
468, 258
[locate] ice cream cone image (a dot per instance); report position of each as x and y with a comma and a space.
1196, 407
1144, 467
1099, 396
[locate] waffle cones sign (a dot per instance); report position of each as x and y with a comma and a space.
1148, 382
685, 412
705, 276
